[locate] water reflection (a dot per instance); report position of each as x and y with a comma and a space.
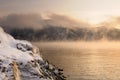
85, 64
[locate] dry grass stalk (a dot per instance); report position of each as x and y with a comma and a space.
15, 71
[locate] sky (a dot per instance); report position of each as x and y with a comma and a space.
94, 11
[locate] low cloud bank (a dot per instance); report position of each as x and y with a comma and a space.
58, 27
36, 21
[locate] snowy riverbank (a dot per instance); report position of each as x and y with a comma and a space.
29, 63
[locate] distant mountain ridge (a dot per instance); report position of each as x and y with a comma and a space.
59, 33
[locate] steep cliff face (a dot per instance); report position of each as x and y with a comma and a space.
20, 60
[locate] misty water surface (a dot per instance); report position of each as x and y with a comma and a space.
84, 60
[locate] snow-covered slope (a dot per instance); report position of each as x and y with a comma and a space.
29, 63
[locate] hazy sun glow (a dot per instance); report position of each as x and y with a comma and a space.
91, 19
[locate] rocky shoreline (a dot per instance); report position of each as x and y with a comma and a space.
20, 60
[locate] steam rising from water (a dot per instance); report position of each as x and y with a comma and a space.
78, 45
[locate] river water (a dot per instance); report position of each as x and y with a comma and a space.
84, 60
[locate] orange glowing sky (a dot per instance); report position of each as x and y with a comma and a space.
94, 11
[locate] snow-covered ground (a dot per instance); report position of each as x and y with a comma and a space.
27, 57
